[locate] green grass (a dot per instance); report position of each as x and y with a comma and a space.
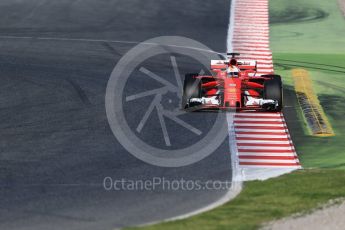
314, 41
310, 31
329, 84
261, 202
305, 29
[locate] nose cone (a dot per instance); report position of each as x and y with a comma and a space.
232, 92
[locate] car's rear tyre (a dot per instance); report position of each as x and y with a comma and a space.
191, 88
273, 89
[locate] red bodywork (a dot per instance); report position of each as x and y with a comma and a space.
233, 90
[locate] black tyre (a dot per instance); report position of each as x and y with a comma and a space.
273, 89
191, 88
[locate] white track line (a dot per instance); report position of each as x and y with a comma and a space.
236, 184
251, 46
268, 154
258, 119
231, 27
259, 114
95, 41
255, 21
259, 53
253, 41
268, 161
262, 142
258, 125
261, 130
263, 148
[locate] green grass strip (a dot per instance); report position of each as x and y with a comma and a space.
265, 201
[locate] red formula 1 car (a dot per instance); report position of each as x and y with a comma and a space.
233, 86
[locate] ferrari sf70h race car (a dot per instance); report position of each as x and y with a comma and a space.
233, 85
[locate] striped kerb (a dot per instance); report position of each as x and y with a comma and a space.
262, 139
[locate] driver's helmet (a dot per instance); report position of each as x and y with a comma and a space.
233, 62
232, 69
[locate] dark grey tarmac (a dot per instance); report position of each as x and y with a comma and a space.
56, 146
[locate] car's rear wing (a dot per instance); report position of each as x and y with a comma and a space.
242, 64
218, 64
247, 64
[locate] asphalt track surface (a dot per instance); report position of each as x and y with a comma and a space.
56, 145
